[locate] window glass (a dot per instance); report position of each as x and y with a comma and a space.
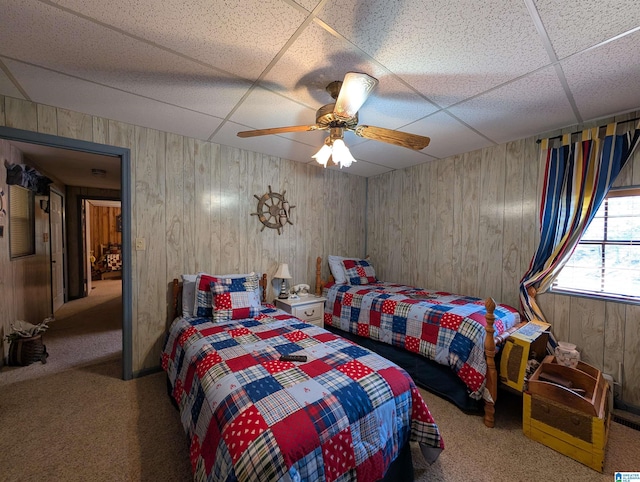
606, 262
21, 222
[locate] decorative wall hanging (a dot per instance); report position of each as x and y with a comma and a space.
274, 211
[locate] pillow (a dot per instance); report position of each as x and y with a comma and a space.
359, 272
203, 298
188, 293
337, 270
235, 299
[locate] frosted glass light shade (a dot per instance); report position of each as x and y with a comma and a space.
323, 155
341, 154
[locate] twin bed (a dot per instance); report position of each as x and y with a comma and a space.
345, 413
446, 342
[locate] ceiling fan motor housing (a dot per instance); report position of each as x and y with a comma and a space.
326, 118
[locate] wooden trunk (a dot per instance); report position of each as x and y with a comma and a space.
571, 415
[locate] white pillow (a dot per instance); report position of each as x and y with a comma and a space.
188, 293
337, 269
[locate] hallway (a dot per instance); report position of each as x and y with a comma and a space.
85, 332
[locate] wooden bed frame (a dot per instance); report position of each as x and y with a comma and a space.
176, 295
489, 346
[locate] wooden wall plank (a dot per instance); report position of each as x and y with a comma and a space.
150, 225
47, 119
174, 209
21, 114
75, 125
2, 110
189, 208
469, 274
631, 366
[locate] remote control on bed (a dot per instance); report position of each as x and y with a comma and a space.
293, 358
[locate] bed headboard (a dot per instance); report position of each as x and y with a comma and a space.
176, 294
320, 283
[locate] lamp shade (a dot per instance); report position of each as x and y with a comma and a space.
283, 272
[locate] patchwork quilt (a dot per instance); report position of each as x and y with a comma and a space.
441, 326
342, 415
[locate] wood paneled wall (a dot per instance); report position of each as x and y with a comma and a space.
468, 224
25, 283
192, 202
103, 220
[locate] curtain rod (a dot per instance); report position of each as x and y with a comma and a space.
580, 131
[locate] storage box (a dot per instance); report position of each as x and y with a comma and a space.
528, 342
569, 414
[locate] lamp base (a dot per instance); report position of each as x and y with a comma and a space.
283, 296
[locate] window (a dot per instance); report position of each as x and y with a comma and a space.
21, 222
606, 262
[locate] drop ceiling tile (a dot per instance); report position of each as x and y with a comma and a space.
532, 104
7, 87
362, 168
604, 81
573, 25
448, 136
77, 47
263, 109
387, 155
318, 57
60, 90
271, 145
308, 4
448, 51
240, 37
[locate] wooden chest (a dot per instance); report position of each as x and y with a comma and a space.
567, 409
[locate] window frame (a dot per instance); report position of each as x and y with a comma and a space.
625, 191
29, 238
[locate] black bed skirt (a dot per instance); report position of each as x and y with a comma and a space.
436, 378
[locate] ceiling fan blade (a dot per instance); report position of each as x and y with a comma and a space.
277, 130
402, 139
355, 89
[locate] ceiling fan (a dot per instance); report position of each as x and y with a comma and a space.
349, 94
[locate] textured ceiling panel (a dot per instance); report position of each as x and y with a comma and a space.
538, 101
468, 74
446, 50
240, 37
574, 25
70, 93
605, 80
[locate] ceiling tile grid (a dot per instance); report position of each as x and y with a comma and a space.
467, 74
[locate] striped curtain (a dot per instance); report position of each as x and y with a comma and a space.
578, 177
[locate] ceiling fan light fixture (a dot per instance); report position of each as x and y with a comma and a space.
323, 155
341, 154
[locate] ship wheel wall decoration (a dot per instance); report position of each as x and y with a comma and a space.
274, 211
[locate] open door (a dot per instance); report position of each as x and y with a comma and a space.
86, 229
56, 223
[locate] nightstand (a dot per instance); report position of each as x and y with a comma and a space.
308, 308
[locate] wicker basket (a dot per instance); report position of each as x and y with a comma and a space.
25, 351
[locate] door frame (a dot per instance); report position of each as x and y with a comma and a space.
63, 240
124, 154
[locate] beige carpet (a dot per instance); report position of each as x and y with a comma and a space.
80, 422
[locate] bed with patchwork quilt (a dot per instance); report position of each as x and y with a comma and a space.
446, 328
345, 413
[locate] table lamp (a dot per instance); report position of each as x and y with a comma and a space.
283, 274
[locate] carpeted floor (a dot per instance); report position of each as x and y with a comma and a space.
74, 419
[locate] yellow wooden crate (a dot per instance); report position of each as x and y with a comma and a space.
575, 420
518, 349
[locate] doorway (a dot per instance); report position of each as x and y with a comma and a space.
92, 150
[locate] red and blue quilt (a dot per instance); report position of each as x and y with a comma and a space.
441, 326
342, 415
